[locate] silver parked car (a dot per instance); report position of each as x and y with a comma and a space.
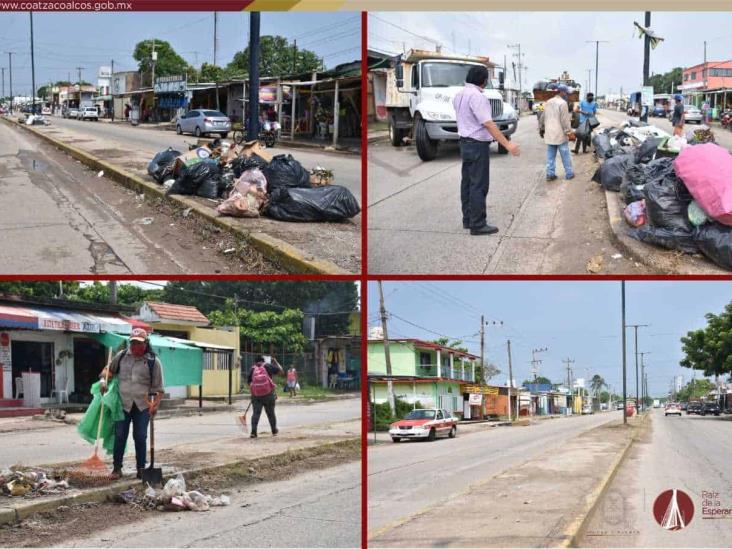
202, 122
691, 114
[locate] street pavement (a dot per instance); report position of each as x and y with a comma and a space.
690, 453
316, 509
132, 148
406, 478
58, 217
415, 224
63, 443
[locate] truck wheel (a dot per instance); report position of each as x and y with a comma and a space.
502, 149
396, 135
426, 147
453, 432
432, 436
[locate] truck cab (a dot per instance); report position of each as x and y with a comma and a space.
419, 100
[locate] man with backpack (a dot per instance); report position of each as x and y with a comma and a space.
140, 374
263, 392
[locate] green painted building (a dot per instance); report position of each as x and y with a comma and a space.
421, 371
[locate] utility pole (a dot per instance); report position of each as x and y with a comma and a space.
3, 71
33, 66
535, 362
643, 376
589, 80
79, 69
111, 87
294, 56
646, 63
216, 25
10, 66
387, 356
637, 382
510, 379
113, 292
597, 61
568, 362
253, 120
625, 399
520, 66
705, 71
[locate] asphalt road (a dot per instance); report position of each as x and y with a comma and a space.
415, 224
58, 217
405, 478
63, 443
690, 453
317, 509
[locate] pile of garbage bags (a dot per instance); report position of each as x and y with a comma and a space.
677, 199
172, 497
249, 182
30, 483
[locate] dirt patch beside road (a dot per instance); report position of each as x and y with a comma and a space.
77, 521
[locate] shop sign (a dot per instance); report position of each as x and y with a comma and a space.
647, 96
67, 325
170, 84
477, 389
475, 399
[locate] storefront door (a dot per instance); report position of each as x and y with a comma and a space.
34, 356
90, 357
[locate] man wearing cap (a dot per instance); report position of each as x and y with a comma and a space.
557, 127
140, 375
677, 118
477, 131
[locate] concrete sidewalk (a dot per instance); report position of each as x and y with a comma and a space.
542, 502
194, 459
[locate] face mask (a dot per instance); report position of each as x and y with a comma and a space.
137, 350
591, 100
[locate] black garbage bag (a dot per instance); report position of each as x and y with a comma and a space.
583, 130
603, 149
191, 178
327, 203
160, 167
243, 163
715, 241
285, 171
647, 150
672, 239
213, 187
611, 172
667, 202
631, 189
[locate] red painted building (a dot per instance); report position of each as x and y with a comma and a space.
709, 81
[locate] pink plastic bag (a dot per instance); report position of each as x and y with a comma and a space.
706, 170
635, 213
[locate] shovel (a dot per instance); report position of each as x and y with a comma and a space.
152, 475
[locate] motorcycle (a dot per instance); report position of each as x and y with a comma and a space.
726, 119
269, 133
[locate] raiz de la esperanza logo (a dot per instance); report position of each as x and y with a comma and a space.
673, 509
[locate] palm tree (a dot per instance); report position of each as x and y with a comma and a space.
597, 383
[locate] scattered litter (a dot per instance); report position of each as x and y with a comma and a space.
144, 221
594, 265
187, 212
229, 250
175, 487
635, 213
617, 256
128, 496
101, 174
16, 482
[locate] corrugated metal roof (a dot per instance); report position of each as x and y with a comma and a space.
168, 311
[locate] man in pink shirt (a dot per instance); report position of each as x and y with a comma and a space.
477, 130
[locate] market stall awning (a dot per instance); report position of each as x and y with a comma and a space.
17, 317
201, 344
182, 363
66, 321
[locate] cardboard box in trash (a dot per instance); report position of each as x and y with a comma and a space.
191, 158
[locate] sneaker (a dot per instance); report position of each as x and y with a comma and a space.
253, 435
485, 229
116, 473
569, 177
551, 177
139, 473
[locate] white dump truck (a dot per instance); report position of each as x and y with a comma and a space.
419, 99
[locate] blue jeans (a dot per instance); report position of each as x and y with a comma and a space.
140, 420
551, 157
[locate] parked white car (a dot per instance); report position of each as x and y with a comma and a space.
89, 113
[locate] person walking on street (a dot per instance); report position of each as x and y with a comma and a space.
140, 374
677, 118
264, 393
556, 128
587, 109
292, 382
477, 130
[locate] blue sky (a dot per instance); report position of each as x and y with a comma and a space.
576, 319
64, 41
556, 41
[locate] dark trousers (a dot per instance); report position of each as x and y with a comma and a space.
475, 181
140, 420
268, 403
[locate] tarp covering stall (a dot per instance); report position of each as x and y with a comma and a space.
182, 363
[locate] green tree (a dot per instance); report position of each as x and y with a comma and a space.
42, 290
277, 57
169, 63
270, 330
127, 294
709, 349
541, 380
695, 389
490, 371
666, 82
456, 344
212, 73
